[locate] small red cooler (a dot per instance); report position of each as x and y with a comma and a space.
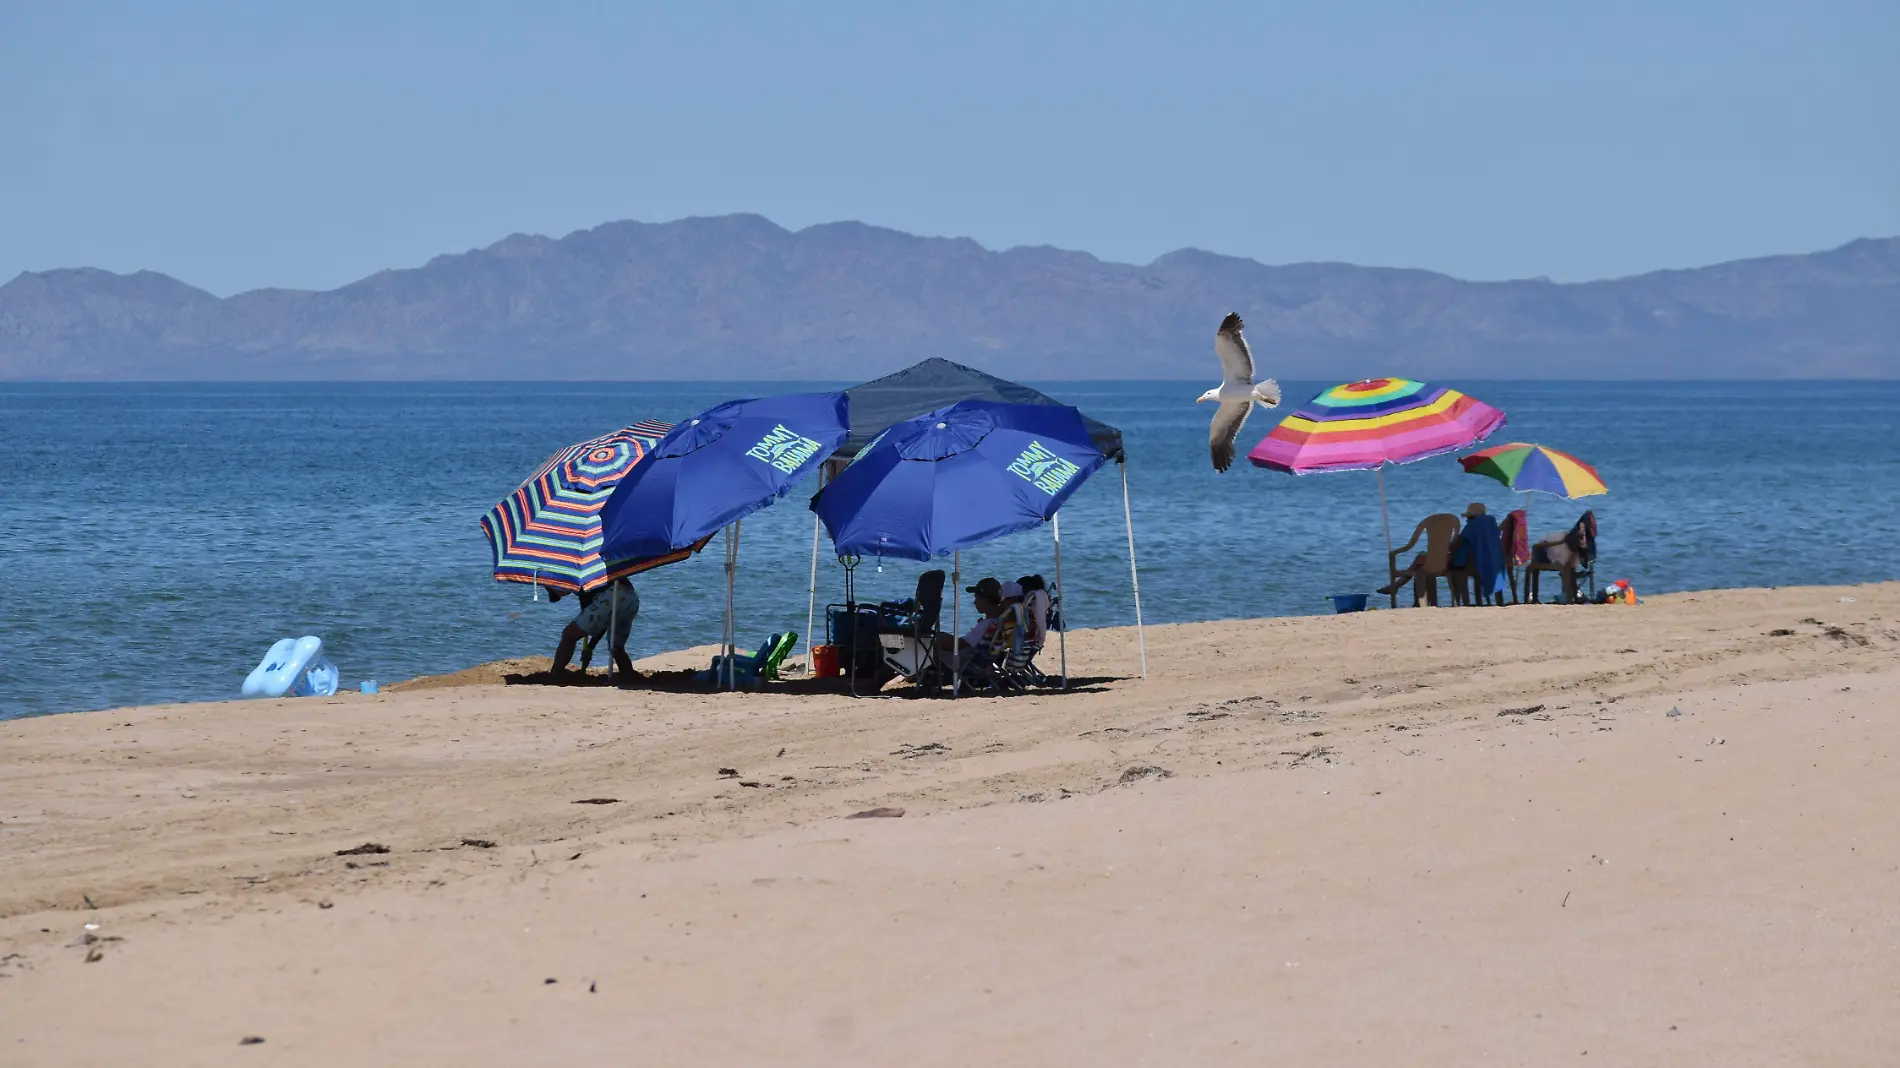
824, 661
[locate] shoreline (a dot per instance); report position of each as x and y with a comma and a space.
490, 673
1482, 820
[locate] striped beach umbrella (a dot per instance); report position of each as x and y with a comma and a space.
1364, 426
547, 531
1525, 468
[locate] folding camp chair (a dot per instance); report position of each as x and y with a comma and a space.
907, 633
1001, 664
1041, 614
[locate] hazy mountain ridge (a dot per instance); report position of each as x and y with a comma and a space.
739, 297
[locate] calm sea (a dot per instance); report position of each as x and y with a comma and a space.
157, 538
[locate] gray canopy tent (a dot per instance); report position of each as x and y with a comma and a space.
935, 383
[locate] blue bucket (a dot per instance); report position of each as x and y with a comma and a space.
1349, 602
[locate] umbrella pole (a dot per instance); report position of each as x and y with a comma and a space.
613, 624
1530, 546
732, 632
1062, 638
811, 605
956, 623
1134, 576
1385, 515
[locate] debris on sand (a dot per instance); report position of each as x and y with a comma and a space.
1142, 773
1320, 754
728, 773
876, 814
366, 849
479, 843
1843, 635
251, 1040
911, 752
597, 801
1527, 710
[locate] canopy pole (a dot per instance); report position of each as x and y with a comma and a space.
1386, 515
1134, 576
1062, 637
811, 605
956, 623
613, 624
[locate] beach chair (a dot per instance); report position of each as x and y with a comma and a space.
1440, 533
1040, 616
1480, 549
907, 633
1576, 563
751, 670
1514, 537
1000, 665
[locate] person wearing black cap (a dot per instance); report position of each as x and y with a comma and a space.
988, 597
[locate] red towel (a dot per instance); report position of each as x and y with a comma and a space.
1517, 539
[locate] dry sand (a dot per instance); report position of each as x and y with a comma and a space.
1435, 837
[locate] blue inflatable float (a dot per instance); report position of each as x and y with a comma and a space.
294, 667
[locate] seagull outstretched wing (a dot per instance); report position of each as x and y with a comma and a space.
1225, 429
1236, 360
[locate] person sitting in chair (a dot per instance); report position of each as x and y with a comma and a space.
615, 605
1036, 608
954, 652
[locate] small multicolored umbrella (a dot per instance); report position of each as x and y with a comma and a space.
1525, 467
1362, 426
547, 531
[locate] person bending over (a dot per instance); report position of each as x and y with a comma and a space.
614, 605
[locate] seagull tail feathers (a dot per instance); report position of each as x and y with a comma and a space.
1267, 392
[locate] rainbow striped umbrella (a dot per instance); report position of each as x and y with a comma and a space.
1525, 467
547, 531
1362, 426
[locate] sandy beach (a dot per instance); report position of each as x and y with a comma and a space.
1538, 835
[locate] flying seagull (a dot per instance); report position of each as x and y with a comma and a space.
1237, 392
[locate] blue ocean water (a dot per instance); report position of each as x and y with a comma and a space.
157, 538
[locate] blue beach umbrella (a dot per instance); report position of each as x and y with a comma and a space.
715, 469
957, 477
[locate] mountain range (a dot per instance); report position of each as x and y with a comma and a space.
739, 297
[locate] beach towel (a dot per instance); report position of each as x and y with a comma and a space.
1484, 552
1518, 553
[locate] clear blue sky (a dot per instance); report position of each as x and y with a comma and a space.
240, 145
